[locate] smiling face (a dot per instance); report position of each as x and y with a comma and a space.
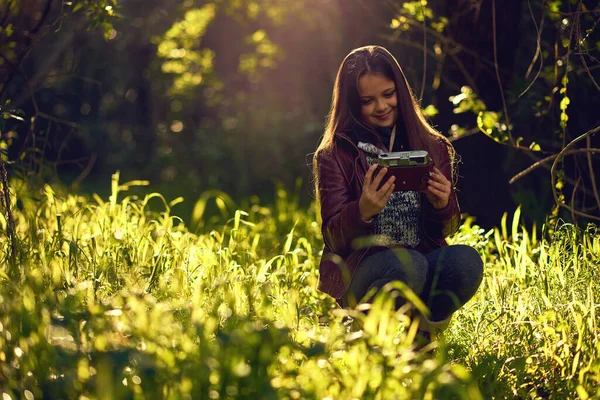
379, 102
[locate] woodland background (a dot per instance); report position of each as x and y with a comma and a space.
159, 237
230, 96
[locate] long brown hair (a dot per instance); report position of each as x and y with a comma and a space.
345, 113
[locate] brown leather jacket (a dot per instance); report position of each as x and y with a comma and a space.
341, 173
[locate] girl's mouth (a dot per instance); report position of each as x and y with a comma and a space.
384, 116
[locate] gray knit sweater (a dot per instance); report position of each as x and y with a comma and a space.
398, 222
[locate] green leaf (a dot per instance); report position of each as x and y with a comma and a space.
10, 115
488, 122
176, 201
290, 237
582, 393
535, 147
515, 223
430, 111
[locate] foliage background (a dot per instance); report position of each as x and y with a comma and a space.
232, 94
109, 299
216, 105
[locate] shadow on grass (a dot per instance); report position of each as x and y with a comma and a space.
485, 369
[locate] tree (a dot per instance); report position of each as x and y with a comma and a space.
507, 77
23, 25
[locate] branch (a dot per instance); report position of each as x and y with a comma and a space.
55, 119
567, 62
592, 175
579, 41
430, 52
62, 147
570, 14
542, 162
10, 222
85, 172
457, 47
393, 38
468, 133
6, 12
77, 161
498, 72
16, 68
43, 18
553, 173
538, 50
573, 216
30, 131
440, 68
68, 75
575, 212
29, 36
466, 74
586, 209
37, 112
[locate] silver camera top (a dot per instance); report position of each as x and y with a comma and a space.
403, 158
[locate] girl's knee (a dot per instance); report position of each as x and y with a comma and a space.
411, 268
476, 262
468, 258
471, 264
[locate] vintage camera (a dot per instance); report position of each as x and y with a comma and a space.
411, 169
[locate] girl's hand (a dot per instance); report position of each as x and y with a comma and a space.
438, 189
372, 201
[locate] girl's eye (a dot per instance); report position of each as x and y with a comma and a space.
365, 102
390, 94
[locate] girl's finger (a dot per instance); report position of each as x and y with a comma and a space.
437, 195
439, 177
386, 187
377, 180
389, 192
369, 174
441, 186
436, 191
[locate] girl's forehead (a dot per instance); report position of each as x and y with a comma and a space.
374, 83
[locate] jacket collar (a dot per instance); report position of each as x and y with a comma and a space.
360, 133
359, 157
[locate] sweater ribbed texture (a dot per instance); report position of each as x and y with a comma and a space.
398, 222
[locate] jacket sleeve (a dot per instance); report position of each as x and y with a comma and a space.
340, 213
444, 222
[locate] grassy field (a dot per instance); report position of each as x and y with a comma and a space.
117, 298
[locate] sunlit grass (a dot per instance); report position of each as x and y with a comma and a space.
116, 300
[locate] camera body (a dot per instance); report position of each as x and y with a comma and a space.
411, 169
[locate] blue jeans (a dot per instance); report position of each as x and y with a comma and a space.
444, 279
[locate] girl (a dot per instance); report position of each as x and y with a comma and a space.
374, 110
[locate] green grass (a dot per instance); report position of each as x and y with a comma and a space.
111, 299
